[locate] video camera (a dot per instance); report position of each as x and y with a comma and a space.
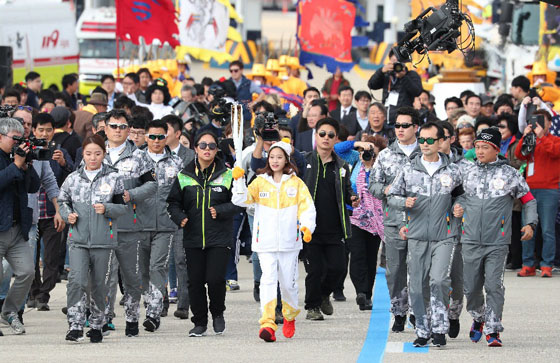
6, 111
530, 140
39, 149
220, 110
437, 32
266, 126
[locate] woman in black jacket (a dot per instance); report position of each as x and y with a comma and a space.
200, 203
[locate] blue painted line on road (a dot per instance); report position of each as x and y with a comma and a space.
378, 331
410, 348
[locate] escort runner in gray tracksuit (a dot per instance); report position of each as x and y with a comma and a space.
186, 155
490, 190
159, 231
139, 183
389, 162
92, 240
428, 227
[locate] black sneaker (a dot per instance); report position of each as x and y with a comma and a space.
131, 329
219, 324
326, 306
197, 331
20, 316
121, 301
398, 325
421, 342
367, 306
257, 292
151, 324
361, 299
339, 296
412, 320
64, 310
314, 314
164, 312
42, 306
75, 335
181, 314
438, 340
105, 330
454, 327
95, 336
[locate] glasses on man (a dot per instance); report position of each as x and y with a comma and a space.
502, 126
118, 126
156, 137
404, 126
137, 133
330, 134
234, 70
203, 145
25, 108
427, 140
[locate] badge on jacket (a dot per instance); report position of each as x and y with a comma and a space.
105, 189
264, 195
127, 166
445, 180
291, 192
498, 184
170, 172
342, 172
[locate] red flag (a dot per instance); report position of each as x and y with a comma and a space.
151, 19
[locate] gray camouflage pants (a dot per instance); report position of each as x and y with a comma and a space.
155, 248
83, 263
127, 256
484, 267
181, 270
456, 300
396, 252
429, 268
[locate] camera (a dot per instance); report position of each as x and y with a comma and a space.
437, 32
6, 111
367, 155
398, 67
39, 149
533, 93
267, 122
535, 120
220, 111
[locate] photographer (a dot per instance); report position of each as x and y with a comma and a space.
528, 107
541, 150
215, 125
16, 180
399, 85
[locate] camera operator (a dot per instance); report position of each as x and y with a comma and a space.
399, 85
528, 107
16, 180
541, 150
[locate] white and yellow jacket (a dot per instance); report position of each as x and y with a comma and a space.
281, 210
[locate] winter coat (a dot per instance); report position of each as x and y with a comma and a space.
78, 195
280, 211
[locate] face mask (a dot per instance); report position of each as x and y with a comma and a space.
258, 83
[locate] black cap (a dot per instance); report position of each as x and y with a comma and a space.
490, 136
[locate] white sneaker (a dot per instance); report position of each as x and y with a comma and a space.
13, 321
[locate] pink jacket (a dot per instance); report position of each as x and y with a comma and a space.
369, 214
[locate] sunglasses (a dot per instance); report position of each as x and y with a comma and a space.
118, 126
427, 140
203, 145
156, 136
465, 126
404, 126
25, 108
324, 133
502, 126
234, 70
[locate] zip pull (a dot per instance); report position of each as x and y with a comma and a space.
111, 227
448, 224
463, 225
503, 222
70, 231
407, 221
134, 210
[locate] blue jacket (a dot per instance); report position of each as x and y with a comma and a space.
244, 96
23, 182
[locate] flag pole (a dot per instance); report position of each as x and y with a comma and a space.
118, 60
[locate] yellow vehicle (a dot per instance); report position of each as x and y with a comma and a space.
41, 34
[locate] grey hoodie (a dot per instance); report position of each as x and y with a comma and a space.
490, 190
387, 165
78, 194
431, 218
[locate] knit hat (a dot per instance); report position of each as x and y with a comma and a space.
491, 136
61, 115
284, 145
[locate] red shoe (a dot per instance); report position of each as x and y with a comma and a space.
527, 271
267, 334
546, 271
289, 328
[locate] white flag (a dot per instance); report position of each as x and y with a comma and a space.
204, 24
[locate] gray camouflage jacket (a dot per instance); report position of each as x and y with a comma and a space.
387, 165
431, 218
138, 181
490, 190
78, 194
153, 209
